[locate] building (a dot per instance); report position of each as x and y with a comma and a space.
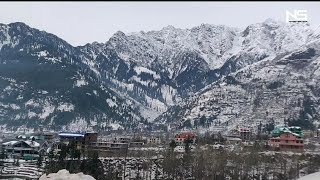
122, 140
245, 134
153, 140
90, 137
48, 136
81, 140
136, 144
110, 148
180, 138
308, 134
287, 139
24, 149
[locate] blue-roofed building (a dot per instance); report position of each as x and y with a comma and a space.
81, 139
71, 135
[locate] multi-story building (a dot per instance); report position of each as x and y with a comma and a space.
153, 140
287, 139
122, 140
136, 144
49, 136
180, 138
25, 149
245, 133
81, 140
110, 146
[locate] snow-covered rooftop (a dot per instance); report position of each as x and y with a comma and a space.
30, 143
10, 143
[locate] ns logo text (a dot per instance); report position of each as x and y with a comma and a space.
296, 16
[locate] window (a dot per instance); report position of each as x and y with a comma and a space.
286, 141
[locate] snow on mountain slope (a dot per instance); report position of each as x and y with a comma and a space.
155, 70
284, 89
144, 47
186, 60
45, 81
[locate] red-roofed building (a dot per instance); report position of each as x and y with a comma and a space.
182, 136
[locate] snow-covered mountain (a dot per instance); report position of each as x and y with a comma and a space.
45, 81
281, 88
160, 68
163, 71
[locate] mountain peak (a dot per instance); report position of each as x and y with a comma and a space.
119, 33
118, 36
169, 27
270, 21
19, 24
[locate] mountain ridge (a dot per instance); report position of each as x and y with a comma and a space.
155, 70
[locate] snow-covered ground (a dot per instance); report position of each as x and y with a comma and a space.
313, 176
65, 175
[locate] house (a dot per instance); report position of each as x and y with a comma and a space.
153, 140
180, 138
287, 139
25, 149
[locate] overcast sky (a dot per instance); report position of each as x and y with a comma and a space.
81, 22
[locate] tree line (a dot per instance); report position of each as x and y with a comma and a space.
201, 163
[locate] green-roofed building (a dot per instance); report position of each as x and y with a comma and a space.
294, 129
287, 139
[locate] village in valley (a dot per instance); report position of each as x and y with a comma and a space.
283, 152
